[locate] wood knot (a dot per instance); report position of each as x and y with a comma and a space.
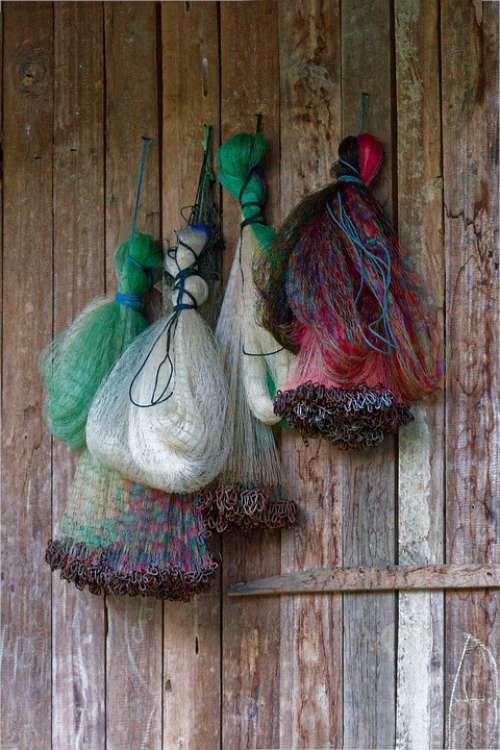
32, 74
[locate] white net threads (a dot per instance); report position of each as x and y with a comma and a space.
253, 458
172, 438
247, 494
264, 359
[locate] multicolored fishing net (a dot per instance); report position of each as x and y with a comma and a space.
338, 291
118, 536
122, 538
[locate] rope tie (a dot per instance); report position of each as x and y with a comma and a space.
135, 301
257, 218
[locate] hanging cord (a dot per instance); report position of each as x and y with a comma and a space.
185, 300
142, 165
197, 215
136, 301
170, 327
381, 270
257, 218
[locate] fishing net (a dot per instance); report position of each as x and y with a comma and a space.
159, 416
119, 537
247, 494
77, 361
337, 290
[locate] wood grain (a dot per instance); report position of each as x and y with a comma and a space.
469, 34
134, 639
27, 327
289, 678
250, 680
192, 647
370, 506
78, 649
420, 699
311, 641
404, 577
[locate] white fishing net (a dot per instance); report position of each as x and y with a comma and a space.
159, 417
248, 491
263, 358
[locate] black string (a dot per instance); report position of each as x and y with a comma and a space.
171, 328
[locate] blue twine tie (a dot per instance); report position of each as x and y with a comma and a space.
135, 301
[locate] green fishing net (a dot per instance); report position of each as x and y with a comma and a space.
74, 365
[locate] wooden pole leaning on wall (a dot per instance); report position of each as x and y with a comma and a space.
391, 578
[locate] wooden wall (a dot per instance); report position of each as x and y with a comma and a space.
81, 83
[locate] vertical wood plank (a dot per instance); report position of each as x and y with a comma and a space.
420, 699
134, 640
27, 324
78, 654
370, 511
250, 85
192, 653
469, 34
311, 627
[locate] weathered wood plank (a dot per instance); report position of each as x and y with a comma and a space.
370, 508
249, 79
134, 642
78, 655
420, 699
192, 648
27, 327
311, 630
469, 33
392, 577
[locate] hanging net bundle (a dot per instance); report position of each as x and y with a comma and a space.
338, 292
159, 416
119, 536
77, 361
247, 494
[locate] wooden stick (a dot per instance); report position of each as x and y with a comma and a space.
392, 578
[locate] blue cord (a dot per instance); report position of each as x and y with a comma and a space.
135, 301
